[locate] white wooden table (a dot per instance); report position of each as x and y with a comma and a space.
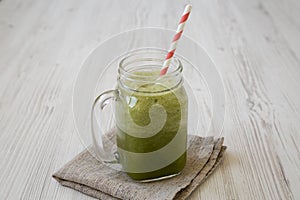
255, 44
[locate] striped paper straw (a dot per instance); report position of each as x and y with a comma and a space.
177, 36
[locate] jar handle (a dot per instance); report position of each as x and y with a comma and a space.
102, 140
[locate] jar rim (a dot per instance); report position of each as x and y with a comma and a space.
142, 58
174, 61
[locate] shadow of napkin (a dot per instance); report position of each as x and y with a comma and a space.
89, 176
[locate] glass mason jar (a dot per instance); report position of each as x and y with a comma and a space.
151, 116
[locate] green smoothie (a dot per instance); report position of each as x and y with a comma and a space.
152, 129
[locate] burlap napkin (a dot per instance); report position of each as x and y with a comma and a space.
87, 175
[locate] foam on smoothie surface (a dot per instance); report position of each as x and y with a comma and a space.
149, 81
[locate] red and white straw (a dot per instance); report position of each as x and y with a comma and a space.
177, 36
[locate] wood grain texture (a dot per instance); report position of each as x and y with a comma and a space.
255, 45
